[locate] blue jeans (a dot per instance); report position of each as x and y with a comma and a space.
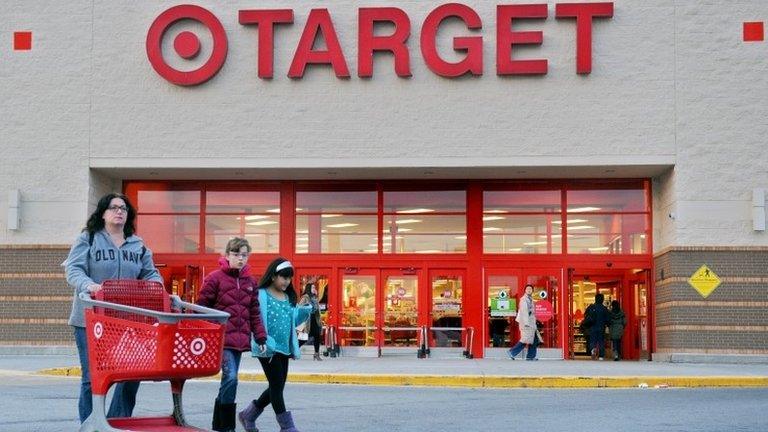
598, 343
230, 363
85, 403
124, 398
515, 350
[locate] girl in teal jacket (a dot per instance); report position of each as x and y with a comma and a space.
280, 316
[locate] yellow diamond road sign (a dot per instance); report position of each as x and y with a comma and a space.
704, 281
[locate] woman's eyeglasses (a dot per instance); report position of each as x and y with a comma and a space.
118, 208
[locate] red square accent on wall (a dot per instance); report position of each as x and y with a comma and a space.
753, 32
22, 41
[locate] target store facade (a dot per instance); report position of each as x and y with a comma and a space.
420, 162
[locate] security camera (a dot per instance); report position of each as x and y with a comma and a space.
609, 264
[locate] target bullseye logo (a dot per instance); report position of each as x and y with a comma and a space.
98, 330
186, 45
197, 346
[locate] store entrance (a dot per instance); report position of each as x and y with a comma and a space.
629, 289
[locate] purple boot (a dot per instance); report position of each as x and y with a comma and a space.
248, 417
286, 422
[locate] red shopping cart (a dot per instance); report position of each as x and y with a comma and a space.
137, 332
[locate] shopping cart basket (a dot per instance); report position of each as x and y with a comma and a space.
137, 332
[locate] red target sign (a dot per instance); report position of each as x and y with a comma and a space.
186, 45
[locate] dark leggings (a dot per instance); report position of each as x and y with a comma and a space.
276, 370
314, 332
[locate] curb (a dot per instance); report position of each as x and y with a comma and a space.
494, 381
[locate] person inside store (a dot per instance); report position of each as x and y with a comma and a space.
232, 289
618, 324
498, 328
599, 318
106, 249
526, 319
310, 297
277, 300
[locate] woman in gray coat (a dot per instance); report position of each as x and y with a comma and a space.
526, 319
618, 323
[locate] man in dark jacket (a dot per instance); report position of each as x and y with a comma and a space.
600, 317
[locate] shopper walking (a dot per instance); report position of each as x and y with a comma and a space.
309, 297
232, 289
277, 301
600, 318
106, 249
618, 324
526, 319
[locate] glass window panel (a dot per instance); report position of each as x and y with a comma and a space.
341, 234
261, 231
425, 234
149, 201
521, 201
446, 310
170, 233
337, 201
546, 285
416, 202
621, 200
401, 310
609, 234
522, 243
242, 202
499, 317
533, 224
358, 310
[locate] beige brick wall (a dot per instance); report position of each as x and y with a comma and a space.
35, 299
733, 319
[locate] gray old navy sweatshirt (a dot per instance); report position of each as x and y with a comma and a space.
103, 260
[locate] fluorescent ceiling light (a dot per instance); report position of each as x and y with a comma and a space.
302, 231
254, 235
536, 243
407, 221
330, 215
494, 211
416, 210
580, 227
376, 245
486, 229
277, 210
259, 223
492, 218
342, 225
426, 251
598, 249
583, 209
388, 232
570, 221
370, 250
515, 250
257, 217
460, 237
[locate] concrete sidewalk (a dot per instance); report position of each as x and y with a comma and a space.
494, 373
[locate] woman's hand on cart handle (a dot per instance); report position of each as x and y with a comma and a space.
93, 288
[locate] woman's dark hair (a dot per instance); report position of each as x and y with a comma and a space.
615, 306
308, 289
287, 272
96, 220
